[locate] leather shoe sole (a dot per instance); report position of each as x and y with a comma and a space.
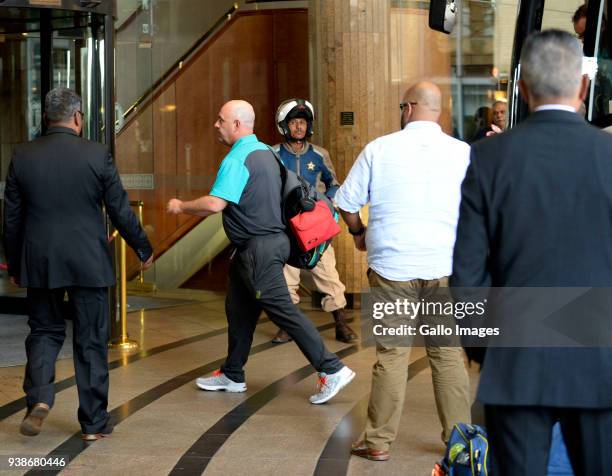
281, 337
97, 436
32, 423
360, 449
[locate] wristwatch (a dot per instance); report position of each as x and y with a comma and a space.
358, 232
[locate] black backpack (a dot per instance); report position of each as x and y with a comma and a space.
298, 196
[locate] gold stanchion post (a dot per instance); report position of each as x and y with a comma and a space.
123, 341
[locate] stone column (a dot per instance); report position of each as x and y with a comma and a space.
350, 74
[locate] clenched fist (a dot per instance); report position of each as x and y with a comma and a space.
175, 206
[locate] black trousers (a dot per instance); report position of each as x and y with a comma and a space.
520, 438
256, 283
89, 310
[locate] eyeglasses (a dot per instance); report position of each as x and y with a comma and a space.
404, 105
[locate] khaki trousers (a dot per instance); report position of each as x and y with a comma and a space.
326, 279
390, 373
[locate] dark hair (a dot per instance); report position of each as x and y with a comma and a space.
581, 12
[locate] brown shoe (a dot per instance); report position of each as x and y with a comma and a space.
96, 436
281, 337
360, 449
32, 423
343, 332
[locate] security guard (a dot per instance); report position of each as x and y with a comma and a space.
294, 119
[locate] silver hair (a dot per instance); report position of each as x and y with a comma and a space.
61, 104
551, 64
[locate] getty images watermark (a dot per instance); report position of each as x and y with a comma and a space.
491, 317
412, 311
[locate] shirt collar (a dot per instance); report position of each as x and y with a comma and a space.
422, 125
251, 138
60, 129
554, 107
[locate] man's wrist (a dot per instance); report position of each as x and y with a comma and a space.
357, 232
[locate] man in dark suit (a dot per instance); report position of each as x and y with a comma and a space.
55, 242
535, 212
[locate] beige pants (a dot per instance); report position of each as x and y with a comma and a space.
326, 279
390, 373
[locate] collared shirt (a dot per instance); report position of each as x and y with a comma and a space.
554, 107
249, 180
412, 181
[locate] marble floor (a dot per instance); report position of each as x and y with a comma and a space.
165, 425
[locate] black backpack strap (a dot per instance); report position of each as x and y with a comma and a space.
283, 169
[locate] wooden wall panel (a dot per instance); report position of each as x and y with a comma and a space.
173, 136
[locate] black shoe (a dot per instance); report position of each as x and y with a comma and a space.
343, 332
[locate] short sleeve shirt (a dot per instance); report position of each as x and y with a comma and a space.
249, 180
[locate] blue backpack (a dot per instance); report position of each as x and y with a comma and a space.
468, 448
467, 452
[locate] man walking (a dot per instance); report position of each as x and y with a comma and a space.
535, 212
294, 119
55, 242
247, 191
411, 179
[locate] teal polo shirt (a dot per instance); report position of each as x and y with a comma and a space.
249, 180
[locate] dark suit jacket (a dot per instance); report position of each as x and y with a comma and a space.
54, 233
536, 211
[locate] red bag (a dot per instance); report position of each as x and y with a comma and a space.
314, 227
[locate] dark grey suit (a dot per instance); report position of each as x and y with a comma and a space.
55, 242
536, 211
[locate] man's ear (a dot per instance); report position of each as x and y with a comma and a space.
524, 91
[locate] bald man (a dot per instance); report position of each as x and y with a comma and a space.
412, 182
247, 191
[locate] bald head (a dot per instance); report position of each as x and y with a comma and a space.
236, 119
242, 111
425, 103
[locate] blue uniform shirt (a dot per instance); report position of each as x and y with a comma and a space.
313, 164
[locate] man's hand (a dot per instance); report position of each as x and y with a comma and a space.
14, 281
494, 130
175, 206
360, 242
148, 263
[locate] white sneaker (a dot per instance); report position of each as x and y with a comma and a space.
220, 382
330, 385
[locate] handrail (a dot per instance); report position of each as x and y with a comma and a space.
226, 17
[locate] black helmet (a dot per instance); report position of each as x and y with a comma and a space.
290, 109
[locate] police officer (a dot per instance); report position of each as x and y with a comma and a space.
294, 118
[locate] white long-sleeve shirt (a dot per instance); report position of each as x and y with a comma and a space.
412, 182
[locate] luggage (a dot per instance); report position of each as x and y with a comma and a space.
310, 218
467, 453
468, 448
314, 227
